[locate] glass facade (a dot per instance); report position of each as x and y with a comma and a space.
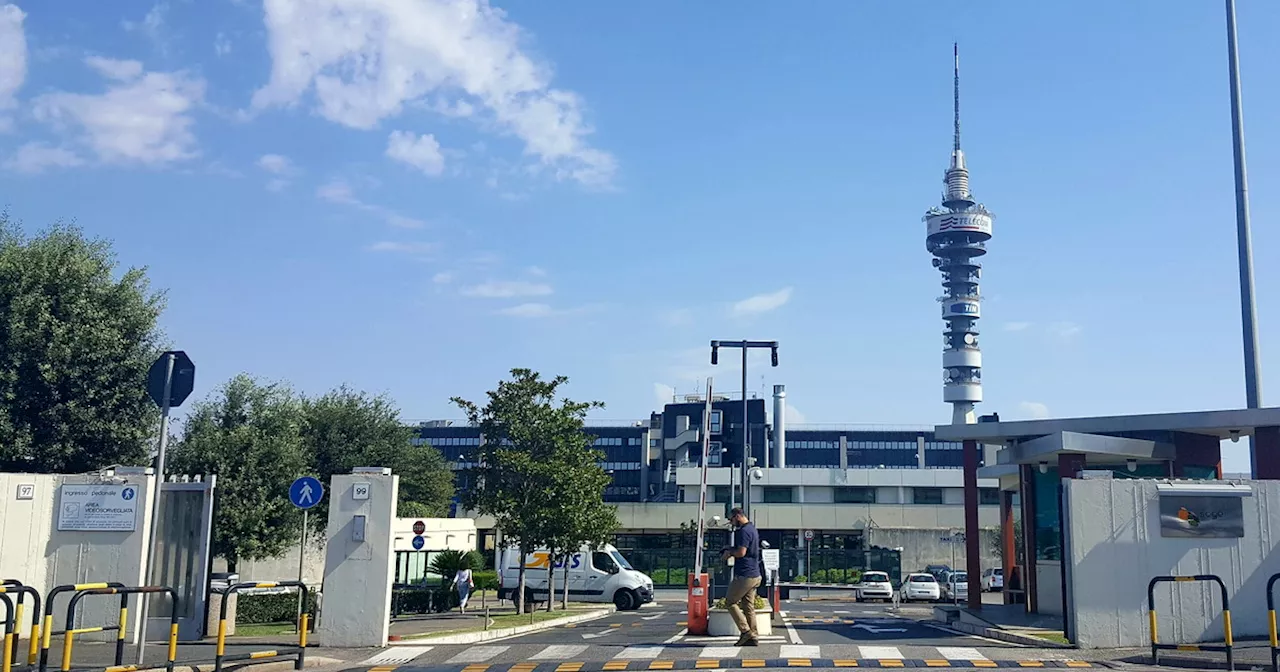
870, 450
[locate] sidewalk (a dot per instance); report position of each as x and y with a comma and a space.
198, 655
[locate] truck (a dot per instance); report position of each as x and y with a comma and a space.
597, 574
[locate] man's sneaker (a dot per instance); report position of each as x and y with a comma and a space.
743, 639
750, 641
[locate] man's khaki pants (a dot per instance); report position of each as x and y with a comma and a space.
741, 600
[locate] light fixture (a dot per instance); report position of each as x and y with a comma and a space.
1235, 436
1132, 464
1044, 467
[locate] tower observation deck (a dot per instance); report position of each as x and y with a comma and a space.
956, 236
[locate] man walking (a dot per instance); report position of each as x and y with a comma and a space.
741, 598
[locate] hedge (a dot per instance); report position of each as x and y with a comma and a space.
271, 607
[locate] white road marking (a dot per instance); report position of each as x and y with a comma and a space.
559, 651
792, 634
720, 652
883, 652
800, 651
477, 654
842, 611
643, 651
960, 653
675, 638
397, 656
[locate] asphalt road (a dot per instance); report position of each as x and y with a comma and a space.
811, 634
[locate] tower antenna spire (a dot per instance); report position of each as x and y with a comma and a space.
955, 47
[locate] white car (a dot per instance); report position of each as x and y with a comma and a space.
992, 579
921, 587
956, 587
875, 586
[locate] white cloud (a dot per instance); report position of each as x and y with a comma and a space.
152, 25
340, 192
762, 303
366, 60
13, 59
36, 157
407, 248
221, 44
402, 222
663, 394
794, 416
506, 289
1065, 330
421, 152
337, 191
143, 117
529, 310
275, 164
1016, 326
536, 271
442, 278
1033, 410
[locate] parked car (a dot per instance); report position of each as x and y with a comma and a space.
938, 571
874, 586
922, 587
992, 579
956, 587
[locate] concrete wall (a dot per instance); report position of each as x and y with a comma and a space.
358, 572
1115, 548
36, 553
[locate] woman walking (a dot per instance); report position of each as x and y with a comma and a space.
464, 583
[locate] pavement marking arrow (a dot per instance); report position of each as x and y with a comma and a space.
875, 631
597, 635
660, 614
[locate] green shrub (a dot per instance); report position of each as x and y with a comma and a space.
801, 578
721, 604
271, 608
675, 576
485, 580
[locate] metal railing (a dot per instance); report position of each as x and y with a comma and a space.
15, 586
121, 626
1157, 647
304, 621
47, 631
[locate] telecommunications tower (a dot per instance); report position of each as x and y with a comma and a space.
957, 235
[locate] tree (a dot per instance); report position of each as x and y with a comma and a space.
518, 478
997, 543
448, 563
577, 514
76, 338
249, 434
345, 429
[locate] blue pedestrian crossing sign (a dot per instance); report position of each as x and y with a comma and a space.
306, 492
419, 542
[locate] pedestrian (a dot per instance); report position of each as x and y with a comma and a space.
741, 597
464, 583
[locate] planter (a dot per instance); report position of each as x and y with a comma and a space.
720, 624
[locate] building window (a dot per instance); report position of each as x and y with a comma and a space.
716, 420
654, 443
989, 496
926, 495
720, 494
855, 495
778, 495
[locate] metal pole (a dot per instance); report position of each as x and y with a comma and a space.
746, 440
155, 507
808, 568
302, 552
1249, 327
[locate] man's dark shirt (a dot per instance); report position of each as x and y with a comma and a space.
748, 567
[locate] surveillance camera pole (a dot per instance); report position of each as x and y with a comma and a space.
746, 424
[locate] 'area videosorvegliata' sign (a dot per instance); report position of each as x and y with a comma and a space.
97, 507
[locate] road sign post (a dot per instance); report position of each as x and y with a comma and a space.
170, 381
304, 493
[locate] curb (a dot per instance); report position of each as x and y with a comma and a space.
500, 633
1004, 635
1193, 663
311, 661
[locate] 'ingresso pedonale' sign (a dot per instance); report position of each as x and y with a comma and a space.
97, 507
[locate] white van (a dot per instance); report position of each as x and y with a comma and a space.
599, 575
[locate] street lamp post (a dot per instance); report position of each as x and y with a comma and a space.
746, 424
1244, 244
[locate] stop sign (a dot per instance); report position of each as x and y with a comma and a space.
419, 527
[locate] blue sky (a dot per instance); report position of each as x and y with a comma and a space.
413, 196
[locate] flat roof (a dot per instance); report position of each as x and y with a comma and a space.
1221, 424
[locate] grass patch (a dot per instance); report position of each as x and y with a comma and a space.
1055, 637
502, 621
265, 630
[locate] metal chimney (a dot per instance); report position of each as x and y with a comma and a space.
780, 426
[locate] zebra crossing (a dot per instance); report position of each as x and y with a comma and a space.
718, 648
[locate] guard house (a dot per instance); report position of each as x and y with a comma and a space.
1034, 457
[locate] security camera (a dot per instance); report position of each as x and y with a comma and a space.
715, 519
757, 473
1235, 436
764, 544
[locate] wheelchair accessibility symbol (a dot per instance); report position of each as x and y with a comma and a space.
128, 493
